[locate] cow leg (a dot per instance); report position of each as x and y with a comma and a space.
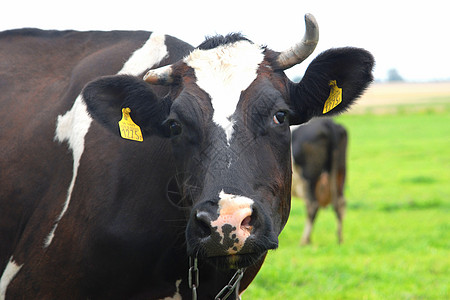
312, 208
340, 203
339, 208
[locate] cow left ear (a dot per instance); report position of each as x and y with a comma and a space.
332, 82
109, 97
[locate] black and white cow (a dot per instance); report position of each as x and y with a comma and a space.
319, 152
200, 195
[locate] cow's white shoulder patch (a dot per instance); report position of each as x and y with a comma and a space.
224, 72
8, 274
73, 126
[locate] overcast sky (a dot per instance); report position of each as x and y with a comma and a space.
410, 36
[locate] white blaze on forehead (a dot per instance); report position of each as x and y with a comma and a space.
8, 275
224, 72
232, 210
73, 126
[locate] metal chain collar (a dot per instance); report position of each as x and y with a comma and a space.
193, 277
231, 286
194, 281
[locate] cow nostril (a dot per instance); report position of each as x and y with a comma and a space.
245, 224
204, 223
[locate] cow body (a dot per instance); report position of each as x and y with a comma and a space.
54, 159
86, 213
319, 150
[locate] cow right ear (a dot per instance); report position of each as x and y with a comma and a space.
108, 96
332, 82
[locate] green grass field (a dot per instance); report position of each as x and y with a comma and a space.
397, 226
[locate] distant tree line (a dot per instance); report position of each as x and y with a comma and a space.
394, 76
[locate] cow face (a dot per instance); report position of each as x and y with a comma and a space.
227, 116
230, 134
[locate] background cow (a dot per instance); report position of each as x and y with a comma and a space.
204, 184
319, 150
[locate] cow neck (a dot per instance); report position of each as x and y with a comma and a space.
225, 292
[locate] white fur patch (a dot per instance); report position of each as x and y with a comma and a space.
73, 126
8, 275
224, 72
151, 54
232, 210
229, 202
177, 295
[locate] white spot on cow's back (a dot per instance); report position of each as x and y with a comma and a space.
177, 295
149, 55
8, 275
73, 126
224, 72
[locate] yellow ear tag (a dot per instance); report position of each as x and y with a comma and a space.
128, 129
335, 97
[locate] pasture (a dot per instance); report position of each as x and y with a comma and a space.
397, 225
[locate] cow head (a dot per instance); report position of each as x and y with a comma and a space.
227, 116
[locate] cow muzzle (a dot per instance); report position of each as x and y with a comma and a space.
234, 230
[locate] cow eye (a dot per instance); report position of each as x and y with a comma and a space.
174, 127
280, 117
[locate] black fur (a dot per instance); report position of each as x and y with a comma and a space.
105, 98
352, 70
218, 40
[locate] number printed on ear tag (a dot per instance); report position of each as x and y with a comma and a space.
128, 129
335, 97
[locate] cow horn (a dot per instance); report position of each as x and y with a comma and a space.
299, 52
160, 76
